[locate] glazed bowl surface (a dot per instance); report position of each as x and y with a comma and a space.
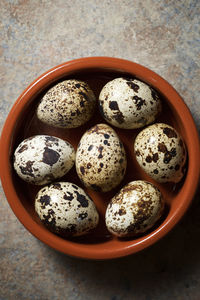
22, 123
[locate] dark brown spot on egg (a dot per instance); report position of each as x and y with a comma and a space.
169, 132
133, 86
162, 147
27, 170
155, 157
56, 186
82, 169
68, 196
49, 221
75, 186
100, 150
90, 147
89, 165
119, 117
83, 216
154, 95
45, 200
130, 188
81, 199
155, 171
139, 102
137, 153
84, 95
50, 157
122, 211
177, 167
113, 105
81, 103
23, 148
51, 139
106, 136
144, 213
148, 159
168, 155
167, 158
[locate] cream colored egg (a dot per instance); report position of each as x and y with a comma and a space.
66, 209
100, 158
161, 153
68, 104
135, 209
41, 159
129, 103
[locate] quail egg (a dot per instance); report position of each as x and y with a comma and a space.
129, 103
161, 152
100, 158
135, 209
66, 209
41, 159
68, 104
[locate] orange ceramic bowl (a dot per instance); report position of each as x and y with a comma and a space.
22, 122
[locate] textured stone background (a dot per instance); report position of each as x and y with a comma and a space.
37, 35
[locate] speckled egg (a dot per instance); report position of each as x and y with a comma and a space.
129, 103
135, 209
66, 209
100, 158
68, 104
161, 152
41, 159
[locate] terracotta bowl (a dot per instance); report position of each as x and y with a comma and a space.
22, 122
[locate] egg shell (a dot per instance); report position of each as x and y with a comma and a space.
66, 209
100, 158
135, 209
129, 103
68, 104
41, 159
161, 152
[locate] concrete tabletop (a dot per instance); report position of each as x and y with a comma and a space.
161, 35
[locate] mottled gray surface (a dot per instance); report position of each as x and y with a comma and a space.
162, 35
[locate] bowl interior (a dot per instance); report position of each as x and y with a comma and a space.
100, 240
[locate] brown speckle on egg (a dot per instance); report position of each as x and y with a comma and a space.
68, 104
103, 165
134, 209
41, 159
128, 103
65, 209
161, 146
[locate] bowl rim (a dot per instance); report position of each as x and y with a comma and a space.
98, 62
